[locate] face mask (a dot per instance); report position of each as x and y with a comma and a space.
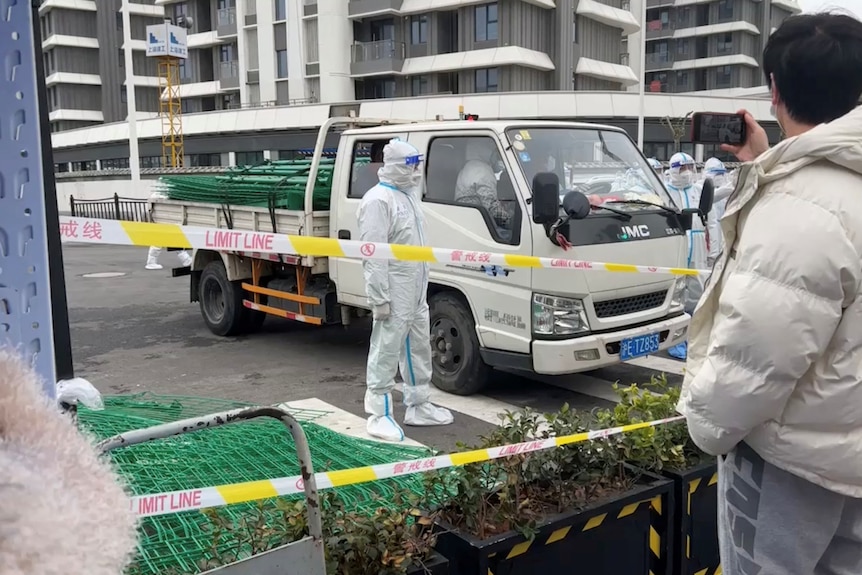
774, 113
681, 179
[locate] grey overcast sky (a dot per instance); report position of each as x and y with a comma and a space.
854, 6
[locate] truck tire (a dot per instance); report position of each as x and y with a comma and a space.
221, 301
457, 366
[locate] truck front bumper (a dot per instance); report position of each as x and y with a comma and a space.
556, 357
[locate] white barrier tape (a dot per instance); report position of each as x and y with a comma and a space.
173, 236
206, 497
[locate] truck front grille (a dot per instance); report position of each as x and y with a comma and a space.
626, 305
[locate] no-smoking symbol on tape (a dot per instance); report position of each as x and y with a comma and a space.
367, 250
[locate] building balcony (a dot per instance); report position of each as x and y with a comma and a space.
376, 58
659, 61
363, 8
659, 3
226, 22
658, 29
228, 78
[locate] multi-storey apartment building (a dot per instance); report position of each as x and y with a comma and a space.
277, 52
694, 45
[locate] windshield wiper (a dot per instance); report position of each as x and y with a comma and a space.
644, 203
625, 215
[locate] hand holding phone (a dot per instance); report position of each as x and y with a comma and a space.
715, 128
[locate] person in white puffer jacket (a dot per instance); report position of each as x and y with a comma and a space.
773, 383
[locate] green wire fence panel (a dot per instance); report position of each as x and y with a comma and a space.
258, 449
278, 184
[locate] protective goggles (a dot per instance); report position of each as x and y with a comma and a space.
683, 165
414, 160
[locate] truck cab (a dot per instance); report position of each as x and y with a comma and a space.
478, 195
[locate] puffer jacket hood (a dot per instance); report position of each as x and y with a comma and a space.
775, 344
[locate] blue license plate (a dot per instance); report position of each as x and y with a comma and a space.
639, 346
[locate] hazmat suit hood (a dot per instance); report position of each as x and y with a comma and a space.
480, 150
682, 170
714, 169
401, 166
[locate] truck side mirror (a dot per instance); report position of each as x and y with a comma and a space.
576, 205
707, 196
546, 198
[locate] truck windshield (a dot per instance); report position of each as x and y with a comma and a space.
602, 164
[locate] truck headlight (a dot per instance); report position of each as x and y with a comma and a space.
678, 298
554, 315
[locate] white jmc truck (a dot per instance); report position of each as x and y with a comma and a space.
564, 190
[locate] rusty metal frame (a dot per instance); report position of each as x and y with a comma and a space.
304, 556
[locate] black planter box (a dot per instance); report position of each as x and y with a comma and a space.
434, 565
695, 531
622, 536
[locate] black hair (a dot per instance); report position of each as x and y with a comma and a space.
377, 151
816, 63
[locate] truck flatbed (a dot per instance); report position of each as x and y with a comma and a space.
248, 218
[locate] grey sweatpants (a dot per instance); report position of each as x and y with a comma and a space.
771, 522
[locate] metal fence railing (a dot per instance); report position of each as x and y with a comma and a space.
116, 208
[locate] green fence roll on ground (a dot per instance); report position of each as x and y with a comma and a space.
248, 451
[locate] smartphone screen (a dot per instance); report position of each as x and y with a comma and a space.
712, 128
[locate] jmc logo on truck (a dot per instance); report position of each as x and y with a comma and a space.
641, 231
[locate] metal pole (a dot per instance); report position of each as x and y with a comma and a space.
642, 75
131, 106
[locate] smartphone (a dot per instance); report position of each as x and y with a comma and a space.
714, 128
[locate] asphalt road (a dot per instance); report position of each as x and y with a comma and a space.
138, 332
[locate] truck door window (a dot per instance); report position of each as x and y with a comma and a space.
468, 171
367, 159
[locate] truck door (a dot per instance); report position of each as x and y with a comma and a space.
359, 174
487, 215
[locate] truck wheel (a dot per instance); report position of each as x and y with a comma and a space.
457, 366
220, 301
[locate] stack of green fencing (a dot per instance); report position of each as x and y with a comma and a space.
248, 451
279, 184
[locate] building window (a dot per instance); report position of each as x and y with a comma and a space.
725, 43
119, 18
280, 10
723, 76
419, 85
226, 53
184, 68
383, 88
122, 57
575, 28
115, 164
281, 63
124, 96
249, 158
725, 10
180, 9
486, 22
486, 80
151, 161
186, 106
419, 29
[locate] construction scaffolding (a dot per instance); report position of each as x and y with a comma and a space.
170, 112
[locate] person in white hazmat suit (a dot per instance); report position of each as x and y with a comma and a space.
390, 212
477, 181
656, 167
724, 183
685, 191
154, 252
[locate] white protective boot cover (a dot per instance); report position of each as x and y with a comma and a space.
153, 258
427, 414
381, 424
185, 258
